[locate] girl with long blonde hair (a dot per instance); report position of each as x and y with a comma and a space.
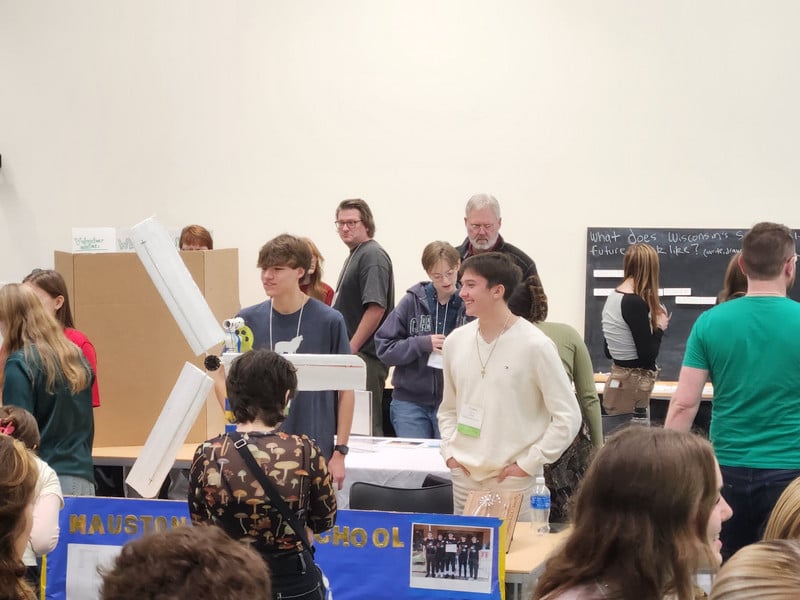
784, 520
51, 288
47, 375
768, 570
633, 324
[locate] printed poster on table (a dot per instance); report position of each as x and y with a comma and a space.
400, 555
365, 555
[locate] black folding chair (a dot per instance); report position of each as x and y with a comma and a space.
431, 499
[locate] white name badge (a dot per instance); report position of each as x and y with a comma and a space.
470, 420
436, 360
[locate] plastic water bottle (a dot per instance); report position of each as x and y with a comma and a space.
540, 507
640, 417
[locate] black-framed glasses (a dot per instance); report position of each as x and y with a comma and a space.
346, 224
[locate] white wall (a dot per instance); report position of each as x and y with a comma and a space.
258, 117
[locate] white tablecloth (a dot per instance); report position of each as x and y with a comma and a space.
396, 462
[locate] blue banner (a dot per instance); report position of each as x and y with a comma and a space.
398, 555
92, 532
366, 555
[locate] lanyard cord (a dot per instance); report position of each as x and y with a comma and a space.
444, 324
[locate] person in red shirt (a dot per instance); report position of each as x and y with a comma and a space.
51, 288
312, 284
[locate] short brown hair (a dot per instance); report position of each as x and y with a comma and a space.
363, 208
285, 250
196, 234
497, 268
185, 563
765, 248
436, 251
257, 385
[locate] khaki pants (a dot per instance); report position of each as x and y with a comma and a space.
627, 389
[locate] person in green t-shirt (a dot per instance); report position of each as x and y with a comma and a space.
748, 348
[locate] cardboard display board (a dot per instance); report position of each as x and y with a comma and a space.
140, 349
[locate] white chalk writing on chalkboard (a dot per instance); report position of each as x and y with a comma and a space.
692, 260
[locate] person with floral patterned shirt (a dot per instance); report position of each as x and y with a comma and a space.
224, 492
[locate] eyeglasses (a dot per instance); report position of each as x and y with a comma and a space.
440, 276
476, 227
346, 224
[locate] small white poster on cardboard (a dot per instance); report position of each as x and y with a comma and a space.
94, 239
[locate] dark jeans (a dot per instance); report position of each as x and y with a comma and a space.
295, 576
752, 494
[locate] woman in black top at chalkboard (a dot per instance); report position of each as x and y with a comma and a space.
633, 323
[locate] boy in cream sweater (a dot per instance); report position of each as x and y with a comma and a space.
508, 407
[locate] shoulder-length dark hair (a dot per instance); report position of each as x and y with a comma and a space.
364, 210
640, 518
257, 386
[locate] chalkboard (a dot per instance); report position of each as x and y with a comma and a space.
692, 265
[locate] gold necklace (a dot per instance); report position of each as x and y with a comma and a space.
491, 350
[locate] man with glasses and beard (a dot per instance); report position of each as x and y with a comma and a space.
364, 294
482, 221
